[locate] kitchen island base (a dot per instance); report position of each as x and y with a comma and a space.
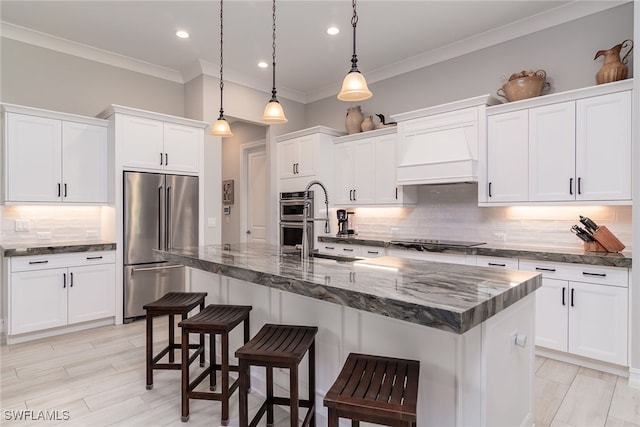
483, 377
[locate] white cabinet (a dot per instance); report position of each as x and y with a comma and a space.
304, 156
48, 291
351, 250
365, 170
582, 309
568, 147
54, 157
451, 258
160, 145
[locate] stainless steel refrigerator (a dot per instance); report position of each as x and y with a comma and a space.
160, 212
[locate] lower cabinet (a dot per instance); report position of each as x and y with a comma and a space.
582, 310
57, 290
351, 250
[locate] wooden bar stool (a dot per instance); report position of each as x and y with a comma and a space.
279, 346
171, 304
375, 389
213, 320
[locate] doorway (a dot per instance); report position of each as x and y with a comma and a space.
255, 192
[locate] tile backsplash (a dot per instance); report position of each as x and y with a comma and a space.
451, 212
54, 223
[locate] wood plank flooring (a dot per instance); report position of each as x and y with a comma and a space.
98, 378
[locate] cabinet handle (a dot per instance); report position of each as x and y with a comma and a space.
350, 194
58, 189
160, 159
71, 275
373, 252
354, 195
166, 159
564, 290
293, 168
490, 190
571, 186
396, 193
329, 247
297, 168
94, 257
347, 249
572, 289
64, 280
585, 273
496, 264
553, 270
65, 189
579, 186
38, 262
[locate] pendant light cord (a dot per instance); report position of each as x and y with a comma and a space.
354, 22
273, 45
221, 59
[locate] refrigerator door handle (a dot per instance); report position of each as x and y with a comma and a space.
168, 219
161, 235
133, 270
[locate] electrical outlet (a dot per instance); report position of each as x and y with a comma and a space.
22, 225
500, 237
44, 235
92, 234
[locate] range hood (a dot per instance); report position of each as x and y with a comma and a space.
440, 145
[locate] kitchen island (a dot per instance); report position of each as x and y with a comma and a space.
470, 327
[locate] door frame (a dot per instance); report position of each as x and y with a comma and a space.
246, 149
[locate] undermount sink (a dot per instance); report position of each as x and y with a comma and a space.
339, 258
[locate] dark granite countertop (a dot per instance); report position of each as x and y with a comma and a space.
555, 254
450, 297
42, 248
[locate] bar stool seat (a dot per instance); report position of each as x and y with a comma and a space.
220, 320
171, 304
375, 389
279, 346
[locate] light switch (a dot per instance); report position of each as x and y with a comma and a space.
22, 225
211, 222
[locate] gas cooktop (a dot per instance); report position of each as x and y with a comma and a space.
437, 242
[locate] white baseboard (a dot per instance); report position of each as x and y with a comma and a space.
634, 378
15, 339
619, 370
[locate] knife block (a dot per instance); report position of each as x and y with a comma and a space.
606, 241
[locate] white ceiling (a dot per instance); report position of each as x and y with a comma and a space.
393, 36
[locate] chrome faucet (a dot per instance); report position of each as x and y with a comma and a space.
305, 238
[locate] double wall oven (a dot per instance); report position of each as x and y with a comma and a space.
291, 217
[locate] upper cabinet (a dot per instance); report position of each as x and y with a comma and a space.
52, 157
365, 170
306, 155
563, 148
156, 142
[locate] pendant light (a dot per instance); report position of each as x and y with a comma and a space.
354, 86
221, 126
273, 112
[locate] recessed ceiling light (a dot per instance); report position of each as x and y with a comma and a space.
332, 31
262, 64
182, 34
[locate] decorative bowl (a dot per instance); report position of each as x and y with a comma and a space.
528, 86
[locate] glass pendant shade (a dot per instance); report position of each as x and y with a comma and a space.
221, 128
354, 88
273, 113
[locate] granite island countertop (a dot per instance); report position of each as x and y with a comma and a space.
449, 297
49, 247
575, 255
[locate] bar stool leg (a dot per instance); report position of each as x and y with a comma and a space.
149, 351
201, 339
246, 340
224, 372
184, 386
212, 363
332, 418
243, 372
172, 338
293, 386
269, 396
312, 383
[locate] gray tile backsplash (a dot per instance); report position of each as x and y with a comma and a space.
451, 212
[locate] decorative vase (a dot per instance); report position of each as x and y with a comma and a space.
367, 124
354, 120
614, 68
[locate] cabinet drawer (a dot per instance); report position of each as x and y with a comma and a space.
497, 262
42, 262
612, 276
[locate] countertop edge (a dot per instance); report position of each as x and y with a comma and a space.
61, 248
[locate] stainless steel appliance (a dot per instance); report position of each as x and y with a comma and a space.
342, 222
292, 216
160, 212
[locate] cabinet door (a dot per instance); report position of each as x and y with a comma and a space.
387, 192
38, 300
598, 322
344, 158
364, 172
551, 314
33, 159
507, 157
603, 147
552, 152
306, 156
84, 163
287, 158
181, 147
91, 292
142, 143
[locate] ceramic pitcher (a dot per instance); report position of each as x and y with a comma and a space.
614, 68
354, 120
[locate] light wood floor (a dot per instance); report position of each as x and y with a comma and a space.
98, 376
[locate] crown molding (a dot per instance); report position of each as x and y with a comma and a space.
58, 44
